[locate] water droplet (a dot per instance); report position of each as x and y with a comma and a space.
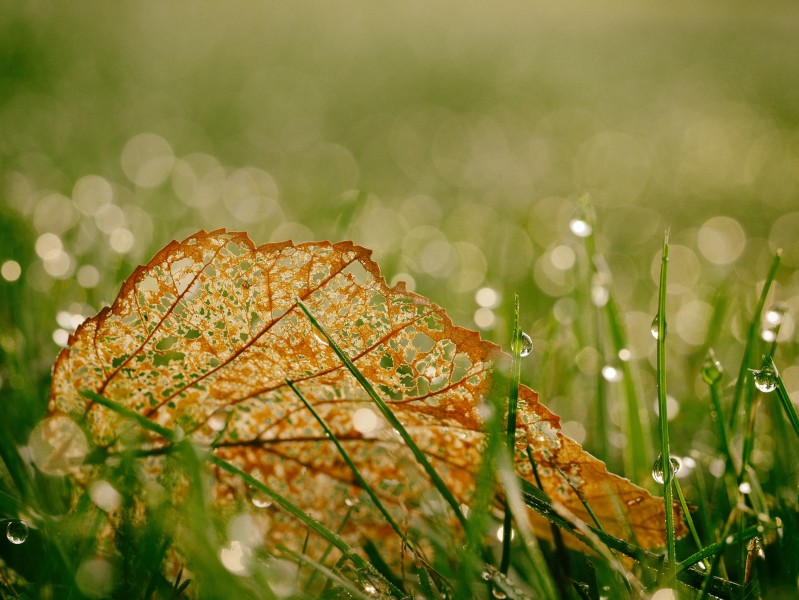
712, 369
320, 338
755, 548
655, 328
765, 377
525, 345
370, 589
611, 373
625, 355
768, 335
260, 500
775, 314
745, 488
17, 531
657, 468
219, 418
580, 227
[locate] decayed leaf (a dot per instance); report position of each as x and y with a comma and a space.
206, 335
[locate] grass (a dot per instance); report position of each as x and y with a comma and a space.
744, 538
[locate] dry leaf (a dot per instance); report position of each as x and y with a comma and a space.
206, 334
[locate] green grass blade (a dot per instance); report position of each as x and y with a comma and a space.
510, 433
361, 481
386, 411
742, 391
639, 457
668, 474
331, 576
787, 405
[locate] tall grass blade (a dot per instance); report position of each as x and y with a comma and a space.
386, 411
361, 481
668, 474
510, 433
744, 392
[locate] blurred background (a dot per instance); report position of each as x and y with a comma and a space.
453, 138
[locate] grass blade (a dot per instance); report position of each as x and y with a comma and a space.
742, 391
420, 457
361, 481
665, 456
513, 401
787, 405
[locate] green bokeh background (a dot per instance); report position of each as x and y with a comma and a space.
453, 138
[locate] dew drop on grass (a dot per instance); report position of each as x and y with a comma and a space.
774, 315
657, 468
218, 419
580, 227
320, 338
655, 328
17, 531
260, 500
745, 488
711, 369
765, 377
525, 345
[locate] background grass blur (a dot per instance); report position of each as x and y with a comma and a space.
453, 138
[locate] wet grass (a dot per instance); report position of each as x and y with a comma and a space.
744, 538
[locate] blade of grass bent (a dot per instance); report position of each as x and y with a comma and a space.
663, 414
389, 415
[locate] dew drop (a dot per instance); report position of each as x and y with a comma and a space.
580, 227
711, 369
755, 548
655, 327
525, 345
775, 314
260, 500
765, 377
219, 418
320, 338
745, 488
657, 468
17, 531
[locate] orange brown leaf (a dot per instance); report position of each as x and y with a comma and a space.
205, 336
